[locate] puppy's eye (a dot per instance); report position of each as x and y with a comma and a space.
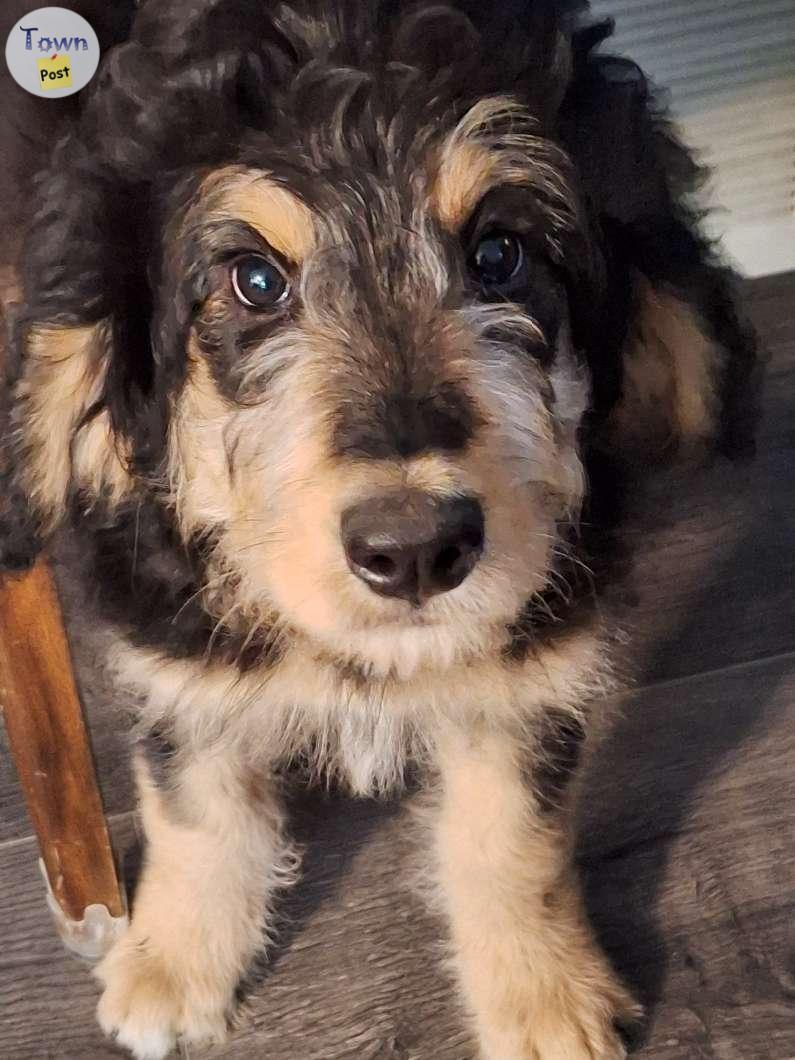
498, 258
258, 283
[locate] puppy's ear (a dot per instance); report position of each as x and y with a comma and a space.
691, 373
58, 438
681, 362
79, 357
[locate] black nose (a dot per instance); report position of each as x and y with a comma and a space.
412, 545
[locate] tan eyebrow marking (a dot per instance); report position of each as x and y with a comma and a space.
497, 142
253, 197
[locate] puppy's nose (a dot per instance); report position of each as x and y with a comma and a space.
411, 545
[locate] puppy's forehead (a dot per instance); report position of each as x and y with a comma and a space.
441, 172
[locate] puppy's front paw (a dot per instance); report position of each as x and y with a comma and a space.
571, 1019
149, 1001
582, 1024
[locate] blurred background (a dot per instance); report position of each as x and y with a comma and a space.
729, 68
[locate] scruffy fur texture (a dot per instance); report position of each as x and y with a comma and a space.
208, 451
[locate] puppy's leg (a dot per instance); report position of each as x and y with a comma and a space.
215, 852
530, 971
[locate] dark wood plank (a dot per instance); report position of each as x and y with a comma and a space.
47, 998
686, 847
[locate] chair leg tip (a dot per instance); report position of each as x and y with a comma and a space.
89, 938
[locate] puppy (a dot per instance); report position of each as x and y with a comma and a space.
345, 328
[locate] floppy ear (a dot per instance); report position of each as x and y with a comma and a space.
691, 372
67, 392
676, 369
56, 437
59, 439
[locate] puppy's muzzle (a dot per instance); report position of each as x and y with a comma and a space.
411, 545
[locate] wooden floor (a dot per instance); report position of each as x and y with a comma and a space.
687, 830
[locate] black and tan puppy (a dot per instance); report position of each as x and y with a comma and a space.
340, 321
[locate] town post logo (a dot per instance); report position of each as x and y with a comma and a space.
52, 52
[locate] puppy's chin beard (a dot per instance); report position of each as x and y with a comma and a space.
399, 641
400, 651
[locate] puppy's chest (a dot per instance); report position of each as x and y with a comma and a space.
360, 730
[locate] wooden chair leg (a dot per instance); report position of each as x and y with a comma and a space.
49, 744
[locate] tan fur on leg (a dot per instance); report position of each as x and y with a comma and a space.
215, 854
531, 974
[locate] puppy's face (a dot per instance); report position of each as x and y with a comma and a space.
375, 437
305, 295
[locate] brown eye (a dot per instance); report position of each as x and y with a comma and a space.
258, 283
498, 259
